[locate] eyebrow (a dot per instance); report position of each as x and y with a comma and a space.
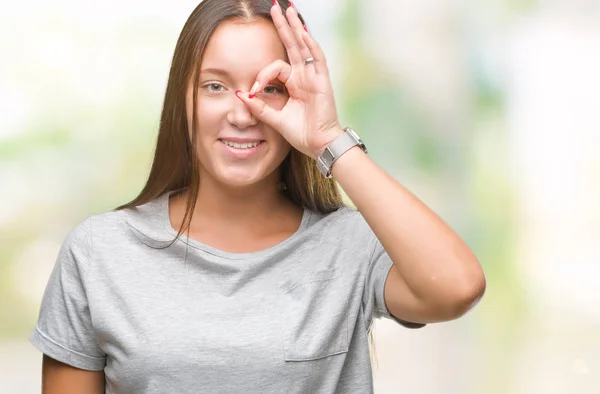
216, 71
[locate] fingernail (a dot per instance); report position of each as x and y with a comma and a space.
291, 4
305, 28
274, 2
253, 89
237, 93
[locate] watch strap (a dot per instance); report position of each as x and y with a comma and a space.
333, 152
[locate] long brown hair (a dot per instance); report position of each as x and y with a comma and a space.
175, 165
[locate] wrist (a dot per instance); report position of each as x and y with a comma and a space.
343, 142
330, 136
348, 162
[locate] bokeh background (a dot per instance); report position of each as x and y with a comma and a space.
488, 110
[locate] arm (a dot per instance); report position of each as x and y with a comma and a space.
435, 276
64, 332
60, 378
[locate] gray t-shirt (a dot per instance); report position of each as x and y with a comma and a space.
189, 318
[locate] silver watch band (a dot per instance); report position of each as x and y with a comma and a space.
336, 149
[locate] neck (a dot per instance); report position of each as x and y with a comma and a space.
248, 206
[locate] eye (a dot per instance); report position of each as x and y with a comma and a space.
273, 89
213, 87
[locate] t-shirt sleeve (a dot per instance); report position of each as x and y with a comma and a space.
64, 328
379, 266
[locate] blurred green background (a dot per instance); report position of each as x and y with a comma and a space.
488, 111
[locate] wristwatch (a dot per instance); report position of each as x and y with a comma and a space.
337, 148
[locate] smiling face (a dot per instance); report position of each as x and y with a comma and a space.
233, 147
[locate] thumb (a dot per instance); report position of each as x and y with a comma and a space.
260, 109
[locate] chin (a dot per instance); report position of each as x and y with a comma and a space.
242, 178
244, 173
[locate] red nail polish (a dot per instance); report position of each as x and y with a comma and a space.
237, 93
291, 4
305, 28
274, 2
251, 95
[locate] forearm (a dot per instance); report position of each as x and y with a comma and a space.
431, 258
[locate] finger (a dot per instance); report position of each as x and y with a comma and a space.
320, 63
260, 109
297, 28
277, 70
286, 35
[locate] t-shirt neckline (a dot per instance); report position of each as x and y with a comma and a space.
166, 223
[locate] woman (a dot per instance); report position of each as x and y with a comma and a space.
275, 284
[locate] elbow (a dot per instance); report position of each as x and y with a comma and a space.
467, 294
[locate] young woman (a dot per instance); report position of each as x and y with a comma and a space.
238, 269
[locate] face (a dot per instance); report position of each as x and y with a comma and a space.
233, 147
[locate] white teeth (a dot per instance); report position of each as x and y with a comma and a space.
242, 145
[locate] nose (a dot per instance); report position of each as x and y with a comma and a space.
239, 115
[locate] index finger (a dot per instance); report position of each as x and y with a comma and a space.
277, 70
285, 33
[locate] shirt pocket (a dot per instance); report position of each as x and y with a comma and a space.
314, 315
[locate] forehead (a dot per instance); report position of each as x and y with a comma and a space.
239, 45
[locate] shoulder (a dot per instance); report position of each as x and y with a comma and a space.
83, 235
346, 222
113, 228
341, 217
78, 239
78, 246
